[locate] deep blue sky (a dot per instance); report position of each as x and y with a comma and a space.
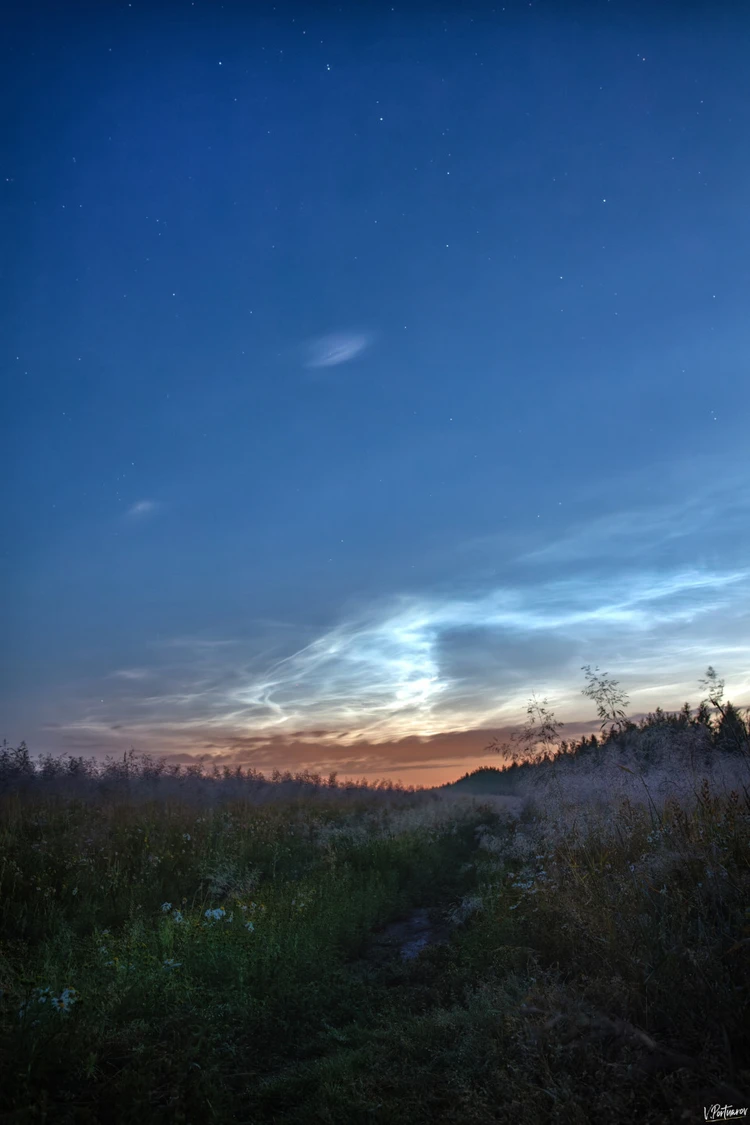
367, 369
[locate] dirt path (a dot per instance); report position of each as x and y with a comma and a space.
420, 927
406, 938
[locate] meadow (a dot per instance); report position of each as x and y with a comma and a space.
183, 946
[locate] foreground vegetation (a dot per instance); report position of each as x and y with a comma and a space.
183, 948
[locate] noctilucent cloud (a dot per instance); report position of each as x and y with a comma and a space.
329, 351
367, 369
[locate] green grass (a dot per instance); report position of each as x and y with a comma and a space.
596, 970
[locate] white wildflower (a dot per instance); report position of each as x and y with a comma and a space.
65, 1001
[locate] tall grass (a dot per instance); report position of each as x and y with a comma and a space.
156, 943
185, 947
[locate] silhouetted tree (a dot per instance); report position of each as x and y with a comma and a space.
732, 733
703, 716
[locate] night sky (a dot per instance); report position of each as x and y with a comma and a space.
367, 368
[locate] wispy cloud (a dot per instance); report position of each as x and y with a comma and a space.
401, 680
338, 347
694, 506
409, 671
142, 508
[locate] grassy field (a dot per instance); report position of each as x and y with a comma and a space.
196, 949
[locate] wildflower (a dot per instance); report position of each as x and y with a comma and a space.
65, 1001
177, 917
249, 927
166, 907
243, 909
215, 914
170, 963
103, 949
186, 836
514, 906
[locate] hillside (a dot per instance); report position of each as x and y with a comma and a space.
485, 781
